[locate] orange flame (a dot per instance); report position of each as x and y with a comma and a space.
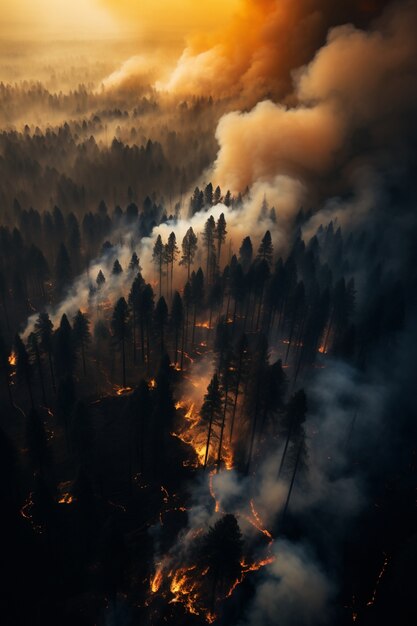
12, 359
156, 580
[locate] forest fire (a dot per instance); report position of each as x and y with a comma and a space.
207, 303
258, 523
156, 580
66, 498
122, 391
191, 432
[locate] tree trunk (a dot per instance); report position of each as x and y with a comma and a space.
123, 363
208, 439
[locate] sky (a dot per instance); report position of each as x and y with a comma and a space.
26, 19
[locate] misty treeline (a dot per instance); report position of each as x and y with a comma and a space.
93, 402
102, 147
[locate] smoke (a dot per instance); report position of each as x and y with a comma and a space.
356, 96
254, 55
136, 70
294, 591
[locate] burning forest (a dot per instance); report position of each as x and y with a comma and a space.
208, 313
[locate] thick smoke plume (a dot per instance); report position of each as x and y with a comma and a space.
358, 87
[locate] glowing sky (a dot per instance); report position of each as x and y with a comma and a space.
96, 18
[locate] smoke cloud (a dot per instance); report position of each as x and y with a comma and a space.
359, 82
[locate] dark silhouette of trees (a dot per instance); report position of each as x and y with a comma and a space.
212, 411
37, 443
119, 326
161, 318
177, 318
81, 334
221, 552
246, 254
64, 349
266, 249
292, 424
220, 234
63, 270
24, 369
117, 268
35, 357
44, 332
158, 256
209, 235
189, 249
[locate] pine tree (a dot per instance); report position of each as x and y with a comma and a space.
221, 552
24, 370
246, 253
134, 299
64, 354
158, 256
134, 265
212, 411
171, 255
220, 234
146, 312
81, 334
36, 358
44, 331
266, 248
117, 268
161, 317
208, 238
189, 248
177, 317
100, 280
119, 325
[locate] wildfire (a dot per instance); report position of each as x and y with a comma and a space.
12, 359
378, 580
157, 579
258, 522
26, 513
191, 433
121, 391
66, 498
246, 569
203, 325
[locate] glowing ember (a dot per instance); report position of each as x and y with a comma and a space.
203, 325
378, 580
12, 359
322, 350
121, 391
152, 383
66, 498
157, 579
258, 522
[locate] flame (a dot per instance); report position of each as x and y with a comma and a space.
213, 494
191, 432
322, 350
12, 359
156, 580
203, 325
66, 498
258, 522
378, 580
152, 383
121, 391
